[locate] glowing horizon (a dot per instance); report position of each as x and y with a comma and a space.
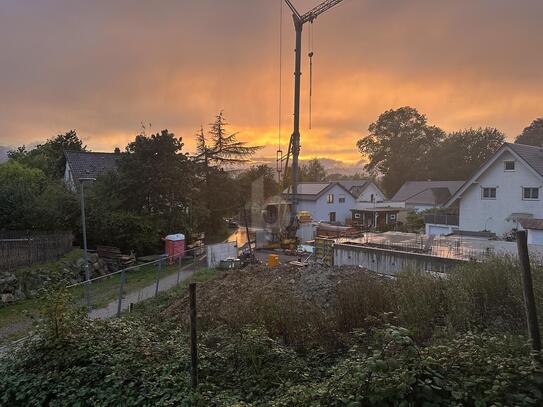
103, 68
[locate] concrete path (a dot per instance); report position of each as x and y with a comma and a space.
144, 293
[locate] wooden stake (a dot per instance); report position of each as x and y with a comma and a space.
528, 290
193, 338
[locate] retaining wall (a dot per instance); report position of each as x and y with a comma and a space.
220, 251
388, 261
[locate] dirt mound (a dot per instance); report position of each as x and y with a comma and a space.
314, 285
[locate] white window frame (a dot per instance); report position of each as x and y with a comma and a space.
509, 161
341, 199
530, 199
330, 199
489, 198
357, 215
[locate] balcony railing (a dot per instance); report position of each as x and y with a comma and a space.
441, 219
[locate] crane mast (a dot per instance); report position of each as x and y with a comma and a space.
294, 145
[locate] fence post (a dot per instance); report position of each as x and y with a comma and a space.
528, 291
193, 337
121, 290
158, 269
179, 270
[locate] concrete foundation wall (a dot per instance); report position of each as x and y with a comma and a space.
220, 251
389, 261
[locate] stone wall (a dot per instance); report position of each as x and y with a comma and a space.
27, 282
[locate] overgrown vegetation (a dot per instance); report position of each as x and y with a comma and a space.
417, 340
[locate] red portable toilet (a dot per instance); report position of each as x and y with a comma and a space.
175, 247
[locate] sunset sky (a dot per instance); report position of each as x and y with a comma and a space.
104, 66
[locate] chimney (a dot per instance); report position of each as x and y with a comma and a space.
117, 150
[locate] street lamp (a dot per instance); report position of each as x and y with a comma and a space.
84, 226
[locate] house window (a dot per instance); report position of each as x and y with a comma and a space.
332, 216
357, 216
330, 198
489, 193
509, 165
341, 199
372, 198
392, 216
530, 193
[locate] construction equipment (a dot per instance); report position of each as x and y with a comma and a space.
289, 237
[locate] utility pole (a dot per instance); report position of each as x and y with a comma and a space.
294, 147
84, 230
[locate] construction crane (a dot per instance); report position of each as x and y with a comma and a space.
294, 143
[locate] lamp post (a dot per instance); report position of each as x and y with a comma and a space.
84, 229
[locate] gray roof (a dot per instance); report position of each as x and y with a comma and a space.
89, 164
427, 192
309, 188
313, 190
355, 187
531, 154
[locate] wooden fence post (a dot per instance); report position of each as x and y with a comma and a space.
528, 290
193, 338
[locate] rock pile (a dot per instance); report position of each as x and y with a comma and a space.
26, 282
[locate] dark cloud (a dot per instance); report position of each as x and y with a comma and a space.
102, 67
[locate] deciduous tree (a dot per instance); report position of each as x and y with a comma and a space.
533, 134
398, 146
49, 156
462, 152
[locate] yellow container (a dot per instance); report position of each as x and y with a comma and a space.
273, 260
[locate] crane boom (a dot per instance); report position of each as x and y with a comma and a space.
321, 8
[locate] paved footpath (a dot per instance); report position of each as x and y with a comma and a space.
144, 293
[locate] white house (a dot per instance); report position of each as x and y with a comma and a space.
503, 192
325, 201
366, 191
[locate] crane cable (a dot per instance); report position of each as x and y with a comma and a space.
310, 39
280, 67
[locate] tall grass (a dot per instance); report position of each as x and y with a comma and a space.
474, 297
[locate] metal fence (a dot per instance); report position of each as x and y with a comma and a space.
442, 219
109, 295
24, 248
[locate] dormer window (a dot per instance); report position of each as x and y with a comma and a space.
509, 165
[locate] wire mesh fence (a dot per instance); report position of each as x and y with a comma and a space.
109, 295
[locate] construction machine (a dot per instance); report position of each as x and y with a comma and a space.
288, 238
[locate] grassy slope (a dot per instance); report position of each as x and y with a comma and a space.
16, 320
